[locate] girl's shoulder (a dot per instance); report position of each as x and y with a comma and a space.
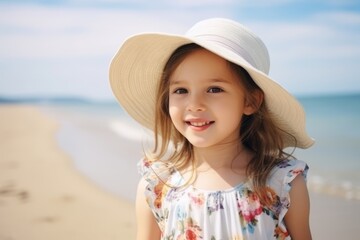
279, 184
158, 177
289, 168
154, 171
284, 173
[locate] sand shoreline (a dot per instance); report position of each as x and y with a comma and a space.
43, 196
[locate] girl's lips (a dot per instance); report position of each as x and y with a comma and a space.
199, 125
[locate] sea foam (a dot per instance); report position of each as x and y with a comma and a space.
129, 131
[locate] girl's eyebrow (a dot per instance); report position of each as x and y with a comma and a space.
212, 80
176, 82
220, 80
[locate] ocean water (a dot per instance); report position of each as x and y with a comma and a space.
334, 160
91, 134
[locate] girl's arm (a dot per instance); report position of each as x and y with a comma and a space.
147, 228
297, 217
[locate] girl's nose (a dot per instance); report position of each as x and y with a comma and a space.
195, 103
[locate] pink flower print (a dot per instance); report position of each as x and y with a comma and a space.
249, 208
197, 199
146, 163
296, 172
190, 231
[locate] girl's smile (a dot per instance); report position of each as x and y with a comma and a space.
199, 124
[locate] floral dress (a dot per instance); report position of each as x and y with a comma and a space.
232, 214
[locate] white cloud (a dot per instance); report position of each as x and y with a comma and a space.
58, 32
325, 47
325, 36
339, 18
318, 54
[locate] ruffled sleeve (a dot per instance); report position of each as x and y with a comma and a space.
156, 174
280, 181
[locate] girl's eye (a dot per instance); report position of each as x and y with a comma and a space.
215, 90
180, 91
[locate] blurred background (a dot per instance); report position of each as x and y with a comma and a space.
55, 55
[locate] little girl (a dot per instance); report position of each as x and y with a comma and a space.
218, 169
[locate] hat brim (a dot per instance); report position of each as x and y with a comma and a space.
137, 67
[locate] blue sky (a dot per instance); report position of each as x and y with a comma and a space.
63, 48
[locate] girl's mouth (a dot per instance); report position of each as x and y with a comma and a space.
199, 124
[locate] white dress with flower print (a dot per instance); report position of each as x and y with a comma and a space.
233, 214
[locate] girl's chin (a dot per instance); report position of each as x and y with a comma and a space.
198, 143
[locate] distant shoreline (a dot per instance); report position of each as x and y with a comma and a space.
83, 100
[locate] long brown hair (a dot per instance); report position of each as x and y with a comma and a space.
258, 131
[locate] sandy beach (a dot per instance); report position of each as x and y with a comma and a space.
43, 196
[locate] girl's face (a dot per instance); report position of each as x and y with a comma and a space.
206, 100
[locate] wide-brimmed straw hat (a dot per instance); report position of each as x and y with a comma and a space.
136, 69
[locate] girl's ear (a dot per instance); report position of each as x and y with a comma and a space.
253, 102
